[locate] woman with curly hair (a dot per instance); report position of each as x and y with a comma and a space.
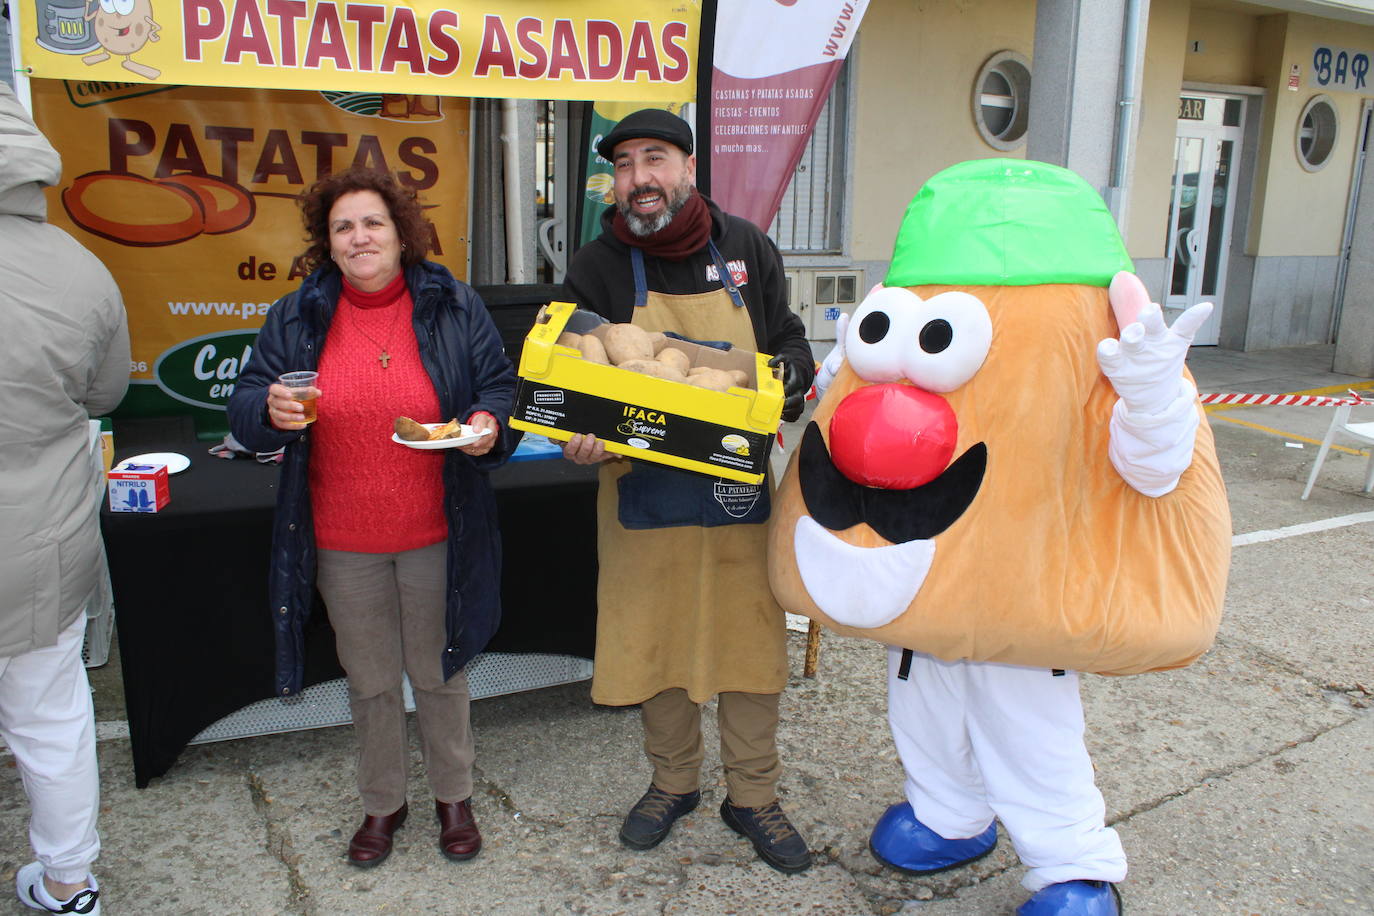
402, 543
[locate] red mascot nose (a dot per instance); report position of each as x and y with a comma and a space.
892, 436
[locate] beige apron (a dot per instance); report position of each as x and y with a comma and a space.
684, 606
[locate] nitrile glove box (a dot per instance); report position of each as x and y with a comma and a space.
725, 434
138, 487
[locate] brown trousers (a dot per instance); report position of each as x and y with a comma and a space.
387, 610
748, 744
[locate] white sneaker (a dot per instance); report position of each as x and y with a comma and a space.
32, 893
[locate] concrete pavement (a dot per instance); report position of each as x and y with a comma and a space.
1239, 785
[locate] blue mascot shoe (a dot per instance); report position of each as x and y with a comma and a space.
1073, 898
904, 843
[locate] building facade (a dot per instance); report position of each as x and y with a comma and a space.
1229, 138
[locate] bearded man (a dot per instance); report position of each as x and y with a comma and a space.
684, 608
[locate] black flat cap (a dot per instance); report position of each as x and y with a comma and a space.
653, 123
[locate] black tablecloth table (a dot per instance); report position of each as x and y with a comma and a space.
190, 585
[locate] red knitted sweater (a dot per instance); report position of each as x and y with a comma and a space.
368, 494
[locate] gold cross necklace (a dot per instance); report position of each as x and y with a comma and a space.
384, 357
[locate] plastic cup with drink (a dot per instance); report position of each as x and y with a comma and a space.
302, 385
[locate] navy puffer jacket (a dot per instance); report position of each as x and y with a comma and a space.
462, 353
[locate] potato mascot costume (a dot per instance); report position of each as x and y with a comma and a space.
1006, 490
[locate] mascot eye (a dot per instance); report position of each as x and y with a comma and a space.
953, 340
878, 333
936, 336
937, 344
124, 7
874, 327
107, 6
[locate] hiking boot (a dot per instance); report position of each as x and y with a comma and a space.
775, 839
652, 817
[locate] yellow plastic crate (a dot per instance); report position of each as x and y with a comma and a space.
725, 434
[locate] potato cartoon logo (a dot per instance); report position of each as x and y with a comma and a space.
998, 485
599, 187
735, 443
123, 27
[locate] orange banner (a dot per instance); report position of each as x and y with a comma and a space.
188, 195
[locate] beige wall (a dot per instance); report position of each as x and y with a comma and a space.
1269, 40
1301, 212
915, 69
1166, 40
915, 65
1228, 45
1293, 212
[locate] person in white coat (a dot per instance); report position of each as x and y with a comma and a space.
64, 357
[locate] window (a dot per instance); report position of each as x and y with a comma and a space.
1001, 100
808, 220
1316, 133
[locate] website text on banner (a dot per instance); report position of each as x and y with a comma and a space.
189, 195
541, 49
765, 96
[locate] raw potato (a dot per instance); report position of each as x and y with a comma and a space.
410, 431
592, 350
625, 342
741, 378
672, 356
697, 370
569, 339
655, 368
714, 379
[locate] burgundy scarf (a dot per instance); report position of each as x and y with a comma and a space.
687, 233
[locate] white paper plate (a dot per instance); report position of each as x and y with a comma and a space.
176, 462
469, 435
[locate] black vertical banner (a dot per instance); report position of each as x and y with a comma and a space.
706, 65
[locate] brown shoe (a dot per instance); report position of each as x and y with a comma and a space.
458, 836
372, 843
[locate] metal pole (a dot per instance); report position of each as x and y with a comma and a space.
516, 270
22, 89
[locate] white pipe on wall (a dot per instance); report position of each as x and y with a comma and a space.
516, 269
1127, 106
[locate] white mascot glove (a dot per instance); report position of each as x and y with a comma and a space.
1155, 421
834, 359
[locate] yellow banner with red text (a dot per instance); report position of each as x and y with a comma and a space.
632, 50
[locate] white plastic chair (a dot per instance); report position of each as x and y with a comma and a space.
1364, 432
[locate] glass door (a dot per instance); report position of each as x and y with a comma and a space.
1201, 206
551, 173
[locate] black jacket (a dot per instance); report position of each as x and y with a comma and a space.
601, 279
461, 352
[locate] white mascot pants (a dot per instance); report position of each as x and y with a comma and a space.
48, 721
980, 741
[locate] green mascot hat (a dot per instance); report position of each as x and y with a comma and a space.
1007, 222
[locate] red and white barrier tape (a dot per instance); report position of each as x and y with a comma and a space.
1285, 400
1248, 400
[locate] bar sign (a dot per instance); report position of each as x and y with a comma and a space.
1190, 109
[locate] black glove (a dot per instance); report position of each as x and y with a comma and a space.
793, 389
